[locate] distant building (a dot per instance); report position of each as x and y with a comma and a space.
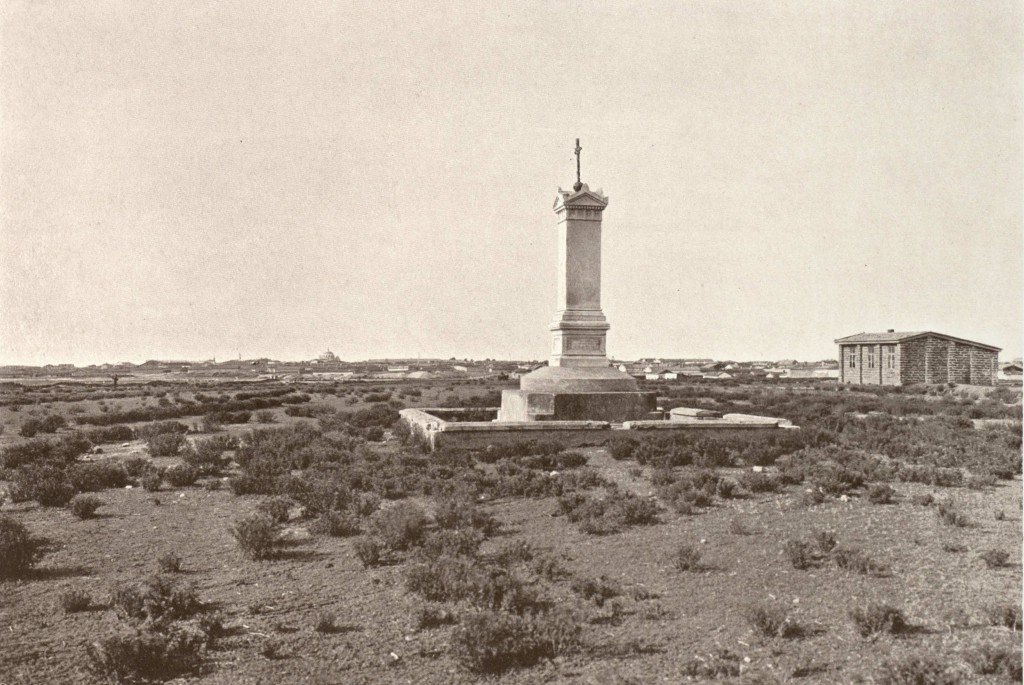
1011, 372
718, 376
893, 358
810, 373
662, 375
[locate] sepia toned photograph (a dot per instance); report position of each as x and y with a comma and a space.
596, 343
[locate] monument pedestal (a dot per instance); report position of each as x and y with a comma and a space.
613, 407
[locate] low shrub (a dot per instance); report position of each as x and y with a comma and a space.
727, 488
921, 668
256, 535
182, 475
96, 476
881, 493
169, 562
277, 508
925, 499
45, 484
84, 506
399, 527
491, 642
722, 663
136, 466
772, 621
155, 602
988, 658
326, 622
980, 481
453, 514
165, 444
464, 542
1005, 614
597, 590
335, 524
752, 481
152, 479
950, 514
622, 449
686, 558
47, 424
369, 551
800, 553
19, 550
995, 558
824, 540
266, 416
431, 616
600, 516
877, 618
854, 559
144, 656
73, 601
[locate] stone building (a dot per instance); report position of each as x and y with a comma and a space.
893, 358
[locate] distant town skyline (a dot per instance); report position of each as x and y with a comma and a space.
188, 182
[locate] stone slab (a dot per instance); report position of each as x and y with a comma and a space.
436, 433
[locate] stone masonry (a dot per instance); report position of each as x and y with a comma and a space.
922, 357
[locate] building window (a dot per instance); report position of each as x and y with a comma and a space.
890, 359
853, 357
871, 357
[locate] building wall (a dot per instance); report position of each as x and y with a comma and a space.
959, 363
891, 376
984, 366
927, 360
912, 361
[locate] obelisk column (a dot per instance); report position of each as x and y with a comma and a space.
579, 328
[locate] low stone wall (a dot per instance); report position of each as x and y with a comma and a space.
428, 426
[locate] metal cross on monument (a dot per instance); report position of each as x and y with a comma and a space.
579, 184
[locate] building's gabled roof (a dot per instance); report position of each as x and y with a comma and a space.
896, 336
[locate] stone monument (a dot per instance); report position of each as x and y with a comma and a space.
579, 383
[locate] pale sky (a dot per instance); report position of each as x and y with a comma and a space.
275, 178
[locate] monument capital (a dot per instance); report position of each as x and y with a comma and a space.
584, 197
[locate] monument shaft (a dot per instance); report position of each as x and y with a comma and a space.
579, 328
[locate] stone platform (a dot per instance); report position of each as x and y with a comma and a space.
437, 428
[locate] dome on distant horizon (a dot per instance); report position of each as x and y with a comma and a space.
328, 356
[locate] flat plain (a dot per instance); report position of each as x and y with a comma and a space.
879, 543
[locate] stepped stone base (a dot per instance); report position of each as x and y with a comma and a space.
578, 379
612, 407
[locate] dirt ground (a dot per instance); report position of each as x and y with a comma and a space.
667, 617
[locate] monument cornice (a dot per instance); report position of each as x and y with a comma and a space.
584, 198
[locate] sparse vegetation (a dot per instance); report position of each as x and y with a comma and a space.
256, 535
686, 558
84, 506
498, 534
74, 601
19, 550
169, 562
877, 618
